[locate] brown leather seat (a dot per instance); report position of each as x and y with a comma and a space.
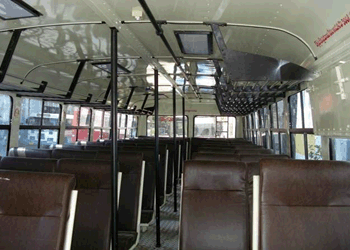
304, 205
254, 151
214, 214
34, 211
257, 157
215, 157
73, 154
93, 212
28, 164
30, 153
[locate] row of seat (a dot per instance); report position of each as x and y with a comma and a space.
302, 204
93, 212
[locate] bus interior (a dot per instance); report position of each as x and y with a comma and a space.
200, 124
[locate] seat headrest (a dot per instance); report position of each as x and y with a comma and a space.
215, 175
89, 174
27, 193
305, 183
258, 157
28, 164
130, 163
214, 157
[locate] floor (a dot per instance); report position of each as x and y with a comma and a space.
169, 228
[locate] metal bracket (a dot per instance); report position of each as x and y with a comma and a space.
130, 96
9, 53
108, 91
144, 102
76, 78
88, 99
42, 87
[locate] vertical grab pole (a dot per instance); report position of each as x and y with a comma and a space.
156, 110
184, 128
114, 98
256, 193
175, 150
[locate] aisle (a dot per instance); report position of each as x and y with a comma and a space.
169, 226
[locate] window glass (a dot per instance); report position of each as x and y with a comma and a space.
314, 146
204, 126
72, 116
4, 135
51, 115
28, 138
341, 149
166, 126
298, 146
262, 118
5, 109
97, 134
307, 109
280, 111
266, 117
48, 137
31, 111
70, 136
250, 125
274, 115
107, 119
105, 134
264, 139
256, 120
122, 120
85, 117
83, 134
231, 127
122, 134
295, 111
98, 119
284, 144
275, 143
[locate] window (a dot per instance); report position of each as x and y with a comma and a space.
340, 149
39, 126
5, 121
166, 128
215, 127
102, 125
304, 144
15, 9
127, 127
279, 139
78, 122
195, 42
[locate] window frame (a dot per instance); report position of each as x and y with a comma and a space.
188, 125
9, 126
41, 127
101, 128
304, 131
79, 127
278, 130
216, 121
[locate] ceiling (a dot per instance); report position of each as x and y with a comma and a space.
50, 54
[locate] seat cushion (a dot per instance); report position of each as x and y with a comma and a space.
126, 240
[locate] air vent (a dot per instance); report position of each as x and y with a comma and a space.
195, 42
16, 9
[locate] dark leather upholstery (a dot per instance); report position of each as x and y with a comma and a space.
304, 204
30, 153
73, 154
34, 211
254, 151
130, 164
28, 164
257, 157
214, 206
215, 157
93, 214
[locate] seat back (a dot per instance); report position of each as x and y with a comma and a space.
34, 211
214, 206
28, 164
257, 157
130, 164
30, 153
304, 204
93, 213
73, 154
215, 157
